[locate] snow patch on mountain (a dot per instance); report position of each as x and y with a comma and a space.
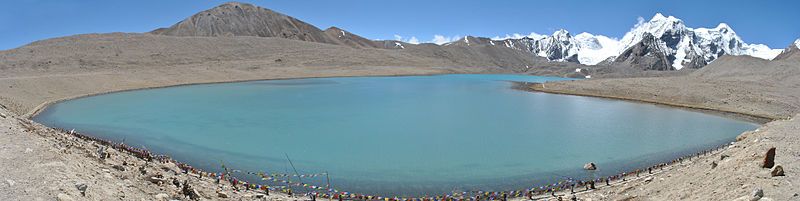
797, 43
763, 51
593, 49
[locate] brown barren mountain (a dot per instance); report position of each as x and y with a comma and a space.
242, 19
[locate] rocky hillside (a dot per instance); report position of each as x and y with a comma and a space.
646, 54
791, 52
241, 19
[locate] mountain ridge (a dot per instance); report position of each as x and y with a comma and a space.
679, 46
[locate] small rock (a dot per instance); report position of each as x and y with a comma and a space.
28, 150
190, 192
260, 195
63, 197
648, 179
176, 182
118, 167
10, 182
157, 179
777, 171
195, 195
723, 156
590, 166
769, 158
713, 165
162, 196
757, 194
82, 188
3, 115
222, 194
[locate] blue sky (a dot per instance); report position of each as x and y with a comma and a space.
773, 23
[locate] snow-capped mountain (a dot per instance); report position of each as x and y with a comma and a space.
560, 46
673, 42
583, 48
689, 47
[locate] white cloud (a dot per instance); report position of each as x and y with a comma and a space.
440, 39
639, 22
412, 40
518, 36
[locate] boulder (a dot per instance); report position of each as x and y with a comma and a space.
769, 158
82, 188
222, 194
157, 179
590, 166
777, 170
260, 195
757, 194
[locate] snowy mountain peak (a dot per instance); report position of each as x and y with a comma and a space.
561, 35
688, 47
797, 43
658, 16
667, 19
723, 27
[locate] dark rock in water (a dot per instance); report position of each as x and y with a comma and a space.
777, 171
590, 166
769, 158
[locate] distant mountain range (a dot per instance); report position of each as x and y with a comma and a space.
662, 43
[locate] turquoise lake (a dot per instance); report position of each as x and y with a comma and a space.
411, 135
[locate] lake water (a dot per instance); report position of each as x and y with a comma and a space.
411, 135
